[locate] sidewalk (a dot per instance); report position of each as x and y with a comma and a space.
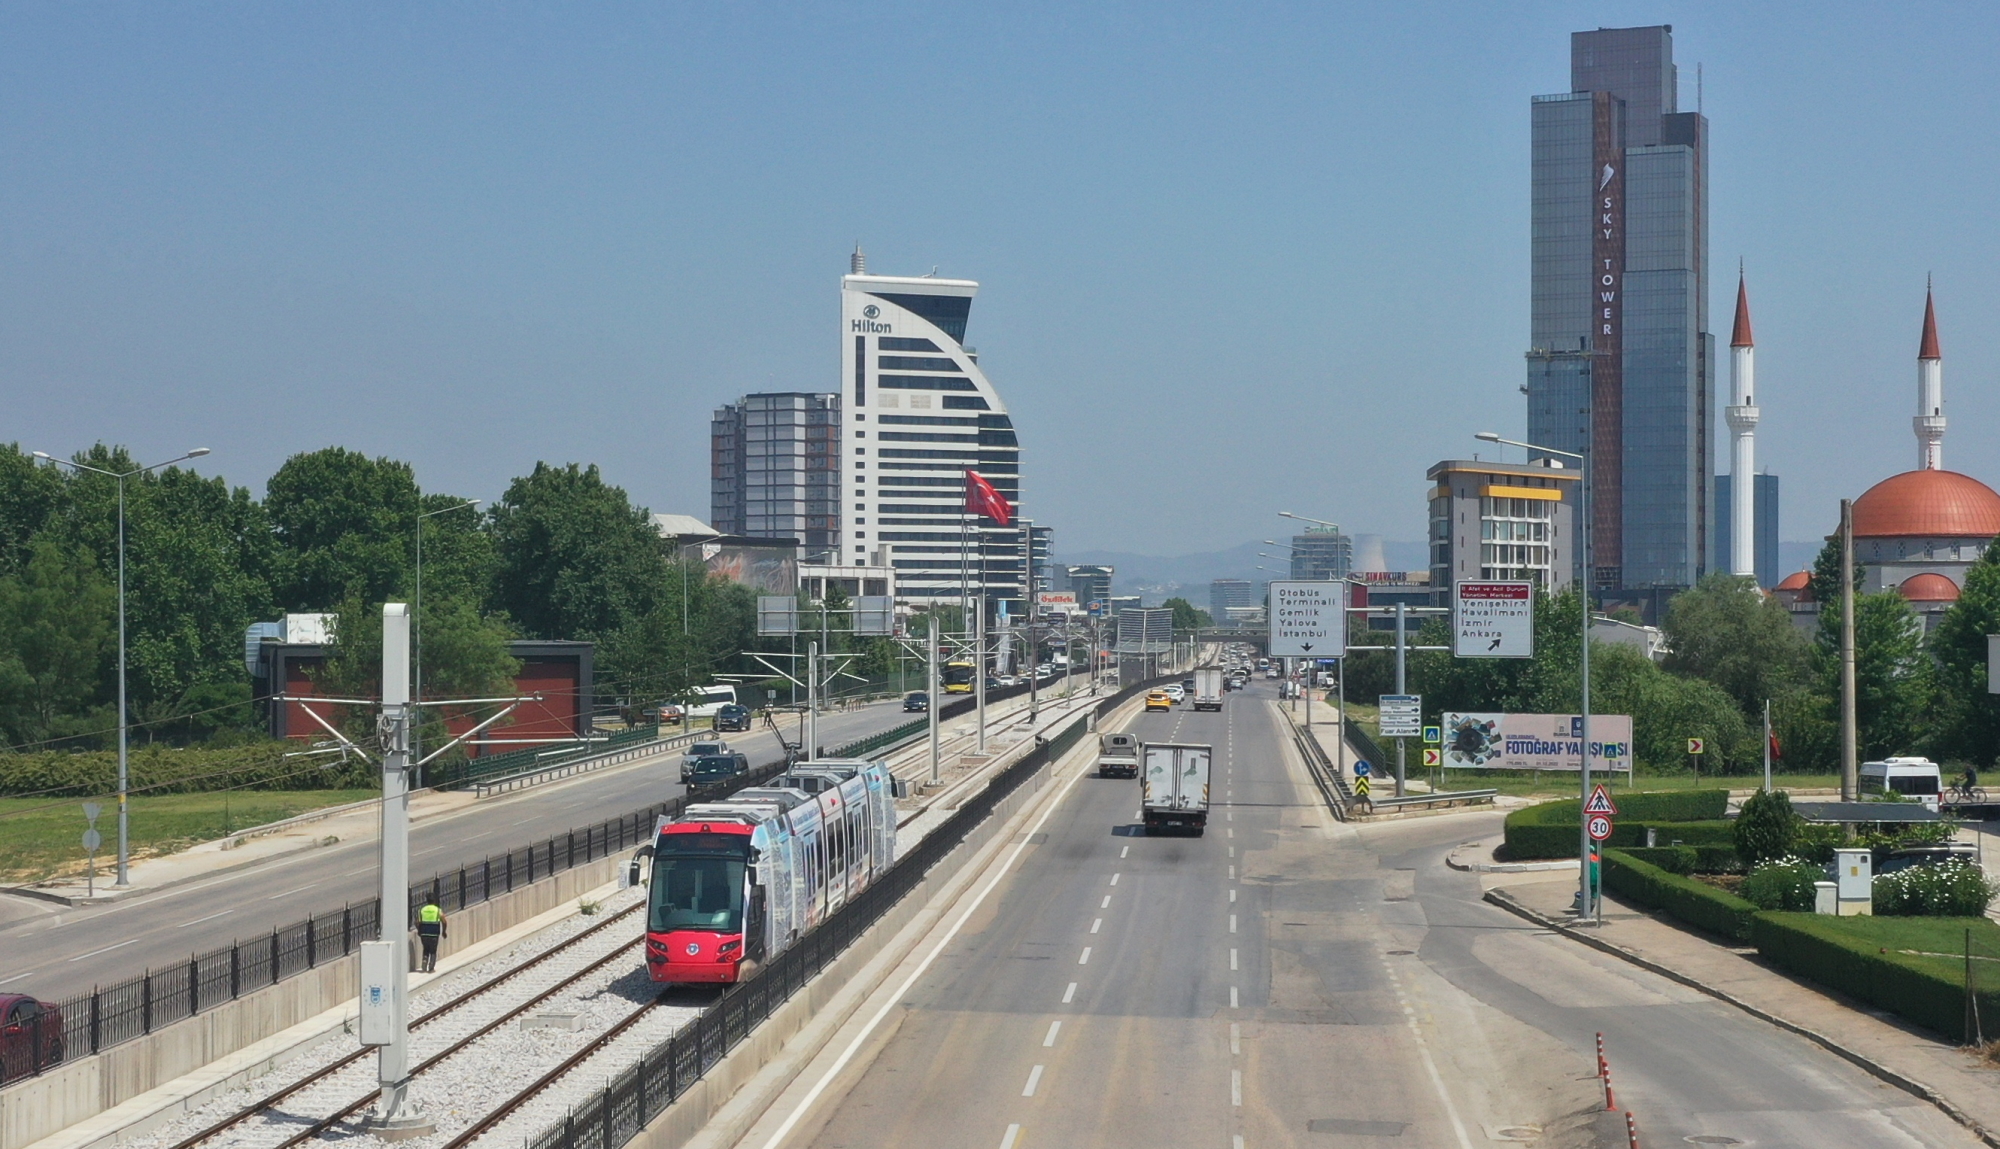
1947, 1076
254, 846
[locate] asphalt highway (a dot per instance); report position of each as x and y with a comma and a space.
1286, 980
54, 951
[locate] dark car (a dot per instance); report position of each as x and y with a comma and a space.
31, 1036
733, 716
712, 768
917, 702
1910, 857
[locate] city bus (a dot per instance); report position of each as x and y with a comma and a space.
957, 677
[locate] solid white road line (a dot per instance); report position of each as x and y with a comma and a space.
1051, 1038
1096, 924
209, 918
105, 950
290, 892
1084, 958
1007, 1142
1069, 994
1034, 1079
1430, 1066
894, 1001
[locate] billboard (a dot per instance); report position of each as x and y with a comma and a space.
1147, 631
1308, 619
1535, 741
1058, 602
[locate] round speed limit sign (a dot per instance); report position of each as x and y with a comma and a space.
1599, 827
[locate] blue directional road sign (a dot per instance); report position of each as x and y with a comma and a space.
1362, 769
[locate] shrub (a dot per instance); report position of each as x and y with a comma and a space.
1551, 829
1816, 842
1784, 884
1767, 827
1868, 958
1947, 890
1688, 859
1696, 903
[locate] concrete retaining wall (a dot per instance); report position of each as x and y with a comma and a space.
40, 1106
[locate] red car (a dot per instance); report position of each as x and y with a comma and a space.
31, 1036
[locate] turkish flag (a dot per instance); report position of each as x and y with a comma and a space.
1776, 751
982, 499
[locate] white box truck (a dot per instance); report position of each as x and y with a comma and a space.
1173, 786
1118, 755
1208, 688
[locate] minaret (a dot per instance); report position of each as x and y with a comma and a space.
1742, 416
1930, 394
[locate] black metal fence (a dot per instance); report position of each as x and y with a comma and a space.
632, 1099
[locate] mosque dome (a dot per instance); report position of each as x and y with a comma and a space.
1928, 504
1800, 581
1929, 587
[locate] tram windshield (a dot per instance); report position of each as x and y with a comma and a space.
698, 883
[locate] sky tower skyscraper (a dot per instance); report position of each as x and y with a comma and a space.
1620, 356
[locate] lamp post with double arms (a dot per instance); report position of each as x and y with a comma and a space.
124, 715
417, 655
1586, 901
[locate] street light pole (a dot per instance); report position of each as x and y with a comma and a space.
1586, 903
124, 713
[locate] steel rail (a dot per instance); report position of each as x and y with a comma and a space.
570, 1063
267, 1102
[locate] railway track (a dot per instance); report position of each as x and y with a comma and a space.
315, 1128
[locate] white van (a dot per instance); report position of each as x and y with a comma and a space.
1917, 778
704, 701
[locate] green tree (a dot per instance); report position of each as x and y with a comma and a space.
465, 656
573, 557
1728, 632
344, 523
661, 655
1187, 616
1767, 827
1969, 717
57, 635
1892, 672
31, 498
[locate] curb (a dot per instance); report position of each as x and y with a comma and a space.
1451, 860
1875, 1068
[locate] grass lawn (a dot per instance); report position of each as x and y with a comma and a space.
39, 839
1938, 943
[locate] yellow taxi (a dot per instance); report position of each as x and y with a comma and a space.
1158, 700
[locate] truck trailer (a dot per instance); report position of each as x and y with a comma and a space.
1208, 688
1173, 786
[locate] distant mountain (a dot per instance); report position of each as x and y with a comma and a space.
1158, 576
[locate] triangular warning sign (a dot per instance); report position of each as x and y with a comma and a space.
1600, 802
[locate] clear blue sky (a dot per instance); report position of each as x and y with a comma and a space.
1235, 258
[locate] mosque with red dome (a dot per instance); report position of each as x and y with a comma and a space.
1917, 532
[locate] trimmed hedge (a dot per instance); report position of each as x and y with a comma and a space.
1551, 829
171, 770
1688, 859
1841, 954
1696, 903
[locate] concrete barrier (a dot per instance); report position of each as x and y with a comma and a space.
41, 1106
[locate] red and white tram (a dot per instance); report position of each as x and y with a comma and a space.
736, 882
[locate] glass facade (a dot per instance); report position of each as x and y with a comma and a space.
1653, 498
1764, 551
774, 469
1322, 554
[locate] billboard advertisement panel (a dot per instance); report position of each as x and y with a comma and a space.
1535, 741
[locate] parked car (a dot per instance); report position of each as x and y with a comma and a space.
31, 1036
712, 768
696, 751
733, 716
672, 714
916, 702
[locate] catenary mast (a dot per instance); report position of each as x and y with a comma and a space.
1742, 415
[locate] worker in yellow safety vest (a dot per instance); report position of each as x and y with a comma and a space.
430, 928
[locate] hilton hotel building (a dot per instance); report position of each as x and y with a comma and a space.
920, 414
